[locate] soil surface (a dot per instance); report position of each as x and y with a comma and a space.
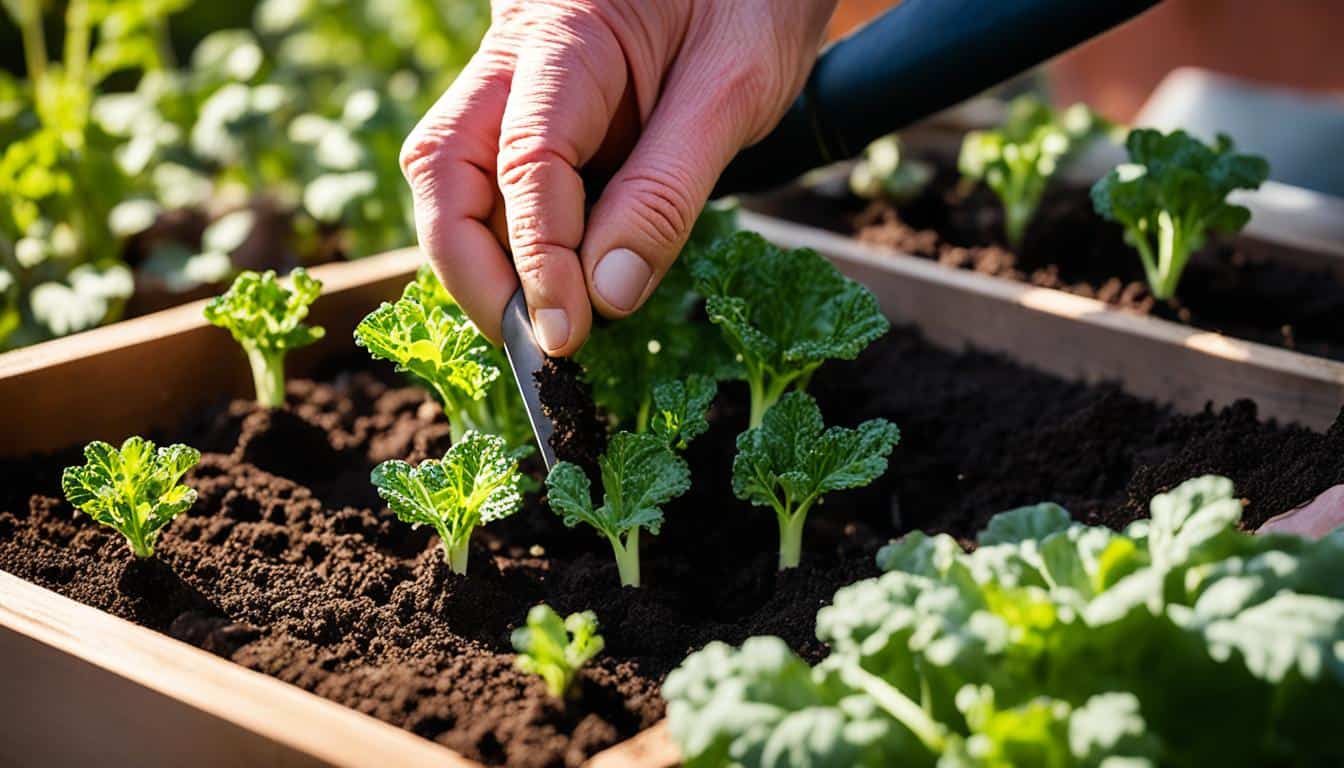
289, 564
1242, 288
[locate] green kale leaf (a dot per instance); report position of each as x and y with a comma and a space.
681, 409
790, 462
133, 489
783, 312
1171, 194
266, 318
555, 650
640, 473
476, 482
1018, 159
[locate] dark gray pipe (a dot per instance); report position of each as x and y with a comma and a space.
916, 59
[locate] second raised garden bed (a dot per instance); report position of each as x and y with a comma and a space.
289, 565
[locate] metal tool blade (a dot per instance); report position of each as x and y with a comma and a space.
526, 359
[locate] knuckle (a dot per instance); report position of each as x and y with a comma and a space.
424, 152
664, 207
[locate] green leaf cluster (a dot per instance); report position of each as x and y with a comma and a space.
640, 473
556, 649
1181, 641
791, 461
1018, 159
1171, 194
266, 319
664, 340
134, 489
426, 334
783, 313
885, 172
476, 482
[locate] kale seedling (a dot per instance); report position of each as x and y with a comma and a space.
555, 650
1017, 160
640, 473
133, 489
783, 313
426, 334
788, 463
266, 318
1171, 194
885, 172
477, 482
663, 340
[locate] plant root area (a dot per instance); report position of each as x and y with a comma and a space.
1242, 288
289, 564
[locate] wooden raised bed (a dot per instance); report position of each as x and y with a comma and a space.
135, 696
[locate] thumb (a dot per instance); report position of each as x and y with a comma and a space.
644, 216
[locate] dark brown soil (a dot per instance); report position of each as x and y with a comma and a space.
567, 400
289, 564
1240, 288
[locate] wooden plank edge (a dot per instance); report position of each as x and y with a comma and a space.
336, 278
650, 748
281, 712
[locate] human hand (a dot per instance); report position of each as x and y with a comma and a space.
710, 77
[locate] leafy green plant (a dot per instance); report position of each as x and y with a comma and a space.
556, 649
1018, 159
884, 172
791, 461
1171, 194
134, 489
266, 318
476, 482
1182, 641
783, 313
427, 335
640, 473
681, 409
664, 340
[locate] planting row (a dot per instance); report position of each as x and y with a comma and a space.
1009, 655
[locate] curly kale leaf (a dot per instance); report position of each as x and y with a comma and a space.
134, 489
1171, 194
266, 318
783, 312
477, 482
640, 473
790, 462
681, 410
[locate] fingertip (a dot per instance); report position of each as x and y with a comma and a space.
621, 281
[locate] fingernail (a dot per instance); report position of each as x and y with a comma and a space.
551, 327
620, 278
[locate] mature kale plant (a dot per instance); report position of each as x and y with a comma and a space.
1181, 641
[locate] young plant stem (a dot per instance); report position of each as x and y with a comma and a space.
791, 524
901, 707
268, 375
1016, 216
455, 553
135, 534
1172, 253
34, 40
764, 395
627, 557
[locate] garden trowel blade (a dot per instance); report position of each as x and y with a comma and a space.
526, 359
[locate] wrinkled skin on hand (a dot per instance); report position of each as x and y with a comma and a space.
710, 77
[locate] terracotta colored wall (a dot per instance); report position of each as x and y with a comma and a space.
1290, 42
